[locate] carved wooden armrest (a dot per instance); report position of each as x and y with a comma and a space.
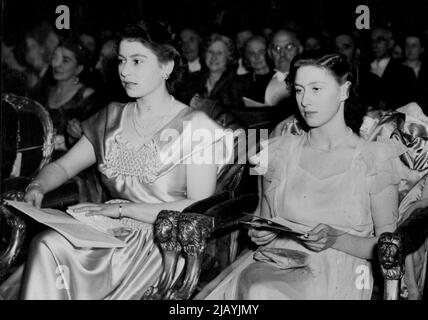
391, 260
228, 213
394, 247
165, 234
193, 232
195, 229
17, 236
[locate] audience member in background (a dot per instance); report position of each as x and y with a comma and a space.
218, 81
39, 45
260, 73
267, 33
110, 88
67, 99
190, 46
242, 37
398, 83
284, 47
414, 48
313, 42
397, 51
346, 43
88, 41
13, 73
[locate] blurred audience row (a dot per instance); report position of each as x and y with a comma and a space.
73, 77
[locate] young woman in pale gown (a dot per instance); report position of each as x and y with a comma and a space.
338, 189
137, 164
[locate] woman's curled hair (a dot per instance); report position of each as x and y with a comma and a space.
159, 38
342, 70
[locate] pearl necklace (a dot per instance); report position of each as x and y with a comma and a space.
146, 130
340, 142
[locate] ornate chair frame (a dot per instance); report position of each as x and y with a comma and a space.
14, 186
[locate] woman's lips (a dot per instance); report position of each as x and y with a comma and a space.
128, 84
310, 113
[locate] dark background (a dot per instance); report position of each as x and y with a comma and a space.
19, 15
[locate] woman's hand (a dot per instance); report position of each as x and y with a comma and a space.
262, 237
34, 196
74, 129
103, 209
320, 238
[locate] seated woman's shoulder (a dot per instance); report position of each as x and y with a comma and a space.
199, 116
116, 105
281, 144
286, 139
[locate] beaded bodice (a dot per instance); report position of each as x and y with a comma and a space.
124, 159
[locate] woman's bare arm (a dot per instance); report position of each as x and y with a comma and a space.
201, 183
384, 206
78, 158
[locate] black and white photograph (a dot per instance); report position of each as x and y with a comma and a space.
235, 152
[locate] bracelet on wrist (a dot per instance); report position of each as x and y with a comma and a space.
34, 185
120, 212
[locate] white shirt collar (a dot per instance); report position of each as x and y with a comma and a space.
195, 65
378, 66
280, 76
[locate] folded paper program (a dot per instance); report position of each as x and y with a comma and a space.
79, 233
282, 258
276, 223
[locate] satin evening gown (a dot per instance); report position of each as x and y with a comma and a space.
155, 173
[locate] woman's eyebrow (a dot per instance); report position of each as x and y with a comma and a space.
316, 82
133, 55
138, 55
310, 83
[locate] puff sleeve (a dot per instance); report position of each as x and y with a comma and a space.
273, 156
384, 167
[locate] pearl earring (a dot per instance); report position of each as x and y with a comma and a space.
76, 80
165, 76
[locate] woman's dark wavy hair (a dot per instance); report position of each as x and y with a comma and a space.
159, 38
342, 70
82, 55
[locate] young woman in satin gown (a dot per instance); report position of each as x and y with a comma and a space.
144, 154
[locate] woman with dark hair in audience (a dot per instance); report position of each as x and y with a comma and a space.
217, 81
147, 161
338, 190
67, 99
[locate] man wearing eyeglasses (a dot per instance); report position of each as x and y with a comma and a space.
397, 82
283, 48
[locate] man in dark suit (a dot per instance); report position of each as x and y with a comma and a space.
398, 83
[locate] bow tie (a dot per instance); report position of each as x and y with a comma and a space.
280, 76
